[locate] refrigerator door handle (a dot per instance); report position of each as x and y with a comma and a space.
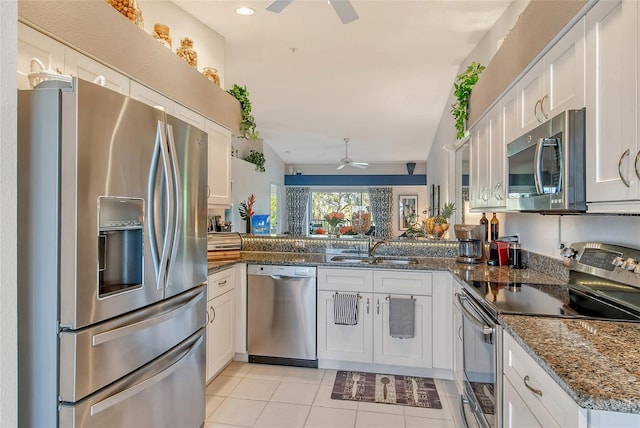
167, 242
176, 200
151, 188
147, 383
129, 329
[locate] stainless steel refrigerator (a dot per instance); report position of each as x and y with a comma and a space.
111, 261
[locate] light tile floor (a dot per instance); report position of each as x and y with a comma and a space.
255, 395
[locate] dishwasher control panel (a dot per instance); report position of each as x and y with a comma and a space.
292, 271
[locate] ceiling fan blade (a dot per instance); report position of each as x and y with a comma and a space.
278, 5
360, 165
345, 11
340, 166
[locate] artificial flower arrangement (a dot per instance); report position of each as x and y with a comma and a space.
334, 218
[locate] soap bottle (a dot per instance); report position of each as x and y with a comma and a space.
495, 224
485, 221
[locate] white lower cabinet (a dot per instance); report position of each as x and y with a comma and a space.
414, 352
369, 341
531, 397
458, 348
221, 320
345, 342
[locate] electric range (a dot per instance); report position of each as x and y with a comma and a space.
604, 283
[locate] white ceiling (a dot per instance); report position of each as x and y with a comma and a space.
382, 80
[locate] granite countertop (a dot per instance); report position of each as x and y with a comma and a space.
595, 362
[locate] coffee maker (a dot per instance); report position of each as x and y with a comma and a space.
470, 243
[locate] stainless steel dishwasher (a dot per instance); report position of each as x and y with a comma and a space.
281, 315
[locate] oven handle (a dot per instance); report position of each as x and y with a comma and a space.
486, 330
464, 401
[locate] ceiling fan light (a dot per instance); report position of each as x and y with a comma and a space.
245, 11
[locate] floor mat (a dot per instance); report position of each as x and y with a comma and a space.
383, 388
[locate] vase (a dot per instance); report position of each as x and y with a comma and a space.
248, 225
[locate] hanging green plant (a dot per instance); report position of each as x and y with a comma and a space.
248, 123
257, 159
465, 81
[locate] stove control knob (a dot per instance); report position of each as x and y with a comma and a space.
630, 264
618, 261
568, 252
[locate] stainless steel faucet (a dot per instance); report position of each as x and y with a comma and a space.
372, 250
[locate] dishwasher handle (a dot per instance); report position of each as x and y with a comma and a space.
281, 277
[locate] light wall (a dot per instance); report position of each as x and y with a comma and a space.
8, 220
208, 44
246, 180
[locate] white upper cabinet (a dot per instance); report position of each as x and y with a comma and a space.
555, 83
150, 97
219, 178
613, 153
487, 167
33, 44
77, 64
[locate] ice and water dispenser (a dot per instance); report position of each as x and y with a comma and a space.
120, 244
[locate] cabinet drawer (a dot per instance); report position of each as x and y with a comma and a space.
550, 400
402, 282
345, 280
220, 282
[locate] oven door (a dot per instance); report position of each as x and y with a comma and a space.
480, 358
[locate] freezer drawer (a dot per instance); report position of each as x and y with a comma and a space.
169, 392
94, 357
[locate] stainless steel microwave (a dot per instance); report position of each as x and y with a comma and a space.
546, 166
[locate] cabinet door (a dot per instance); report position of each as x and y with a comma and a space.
219, 178
495, 166
442, 321
150, 97
611, 101
220, 332
33, 44
458, 350
85, 68
509, 116
189, 116
241, 308
516, 414
345, 342
531, 89
478, 162
565, 73
415, 352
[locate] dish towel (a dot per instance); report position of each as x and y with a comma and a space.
402, 317
345, 309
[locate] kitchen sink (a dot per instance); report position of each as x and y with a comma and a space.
375, 260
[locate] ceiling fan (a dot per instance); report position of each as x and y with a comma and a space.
346, 160
343, 8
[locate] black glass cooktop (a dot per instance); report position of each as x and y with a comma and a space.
596, 299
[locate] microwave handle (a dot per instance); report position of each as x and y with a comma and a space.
538, 171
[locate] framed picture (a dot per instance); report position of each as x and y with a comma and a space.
408, 210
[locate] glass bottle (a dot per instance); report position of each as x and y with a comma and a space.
212, 74
495, 224
161, 34
485, 221
186, 52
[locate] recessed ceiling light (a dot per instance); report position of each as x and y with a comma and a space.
245, 11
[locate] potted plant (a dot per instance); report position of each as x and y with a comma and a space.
248, 123
256, 158
465, 81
